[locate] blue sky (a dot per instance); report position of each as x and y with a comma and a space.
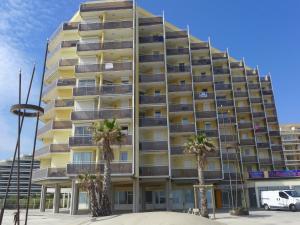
265, 32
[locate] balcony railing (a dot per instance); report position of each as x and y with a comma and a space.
223, 86
204, 96
81, 47
272, 119
265, 161
103, 90
106, 6
202, 78
182, 128
49, 173
238, 79
247, 142
102, 114
258, 114
178, 51
243, 109
276, 147
59, 83
193, 173
179, 87
68, 62
236, 65
106, 67
253, 86
159, 99
245, 126
154, 146
249, 159
270, 105
152, 78
208, 114
240, 94
152, 58
256, 100
52, 148
225, 103
199, 46
154, 171
181, 108
218, 71
251, 72
152, 121
226, 119
267, 92
220, 55
230, 156
209, 133
178, 69
232, 176
228, 138
82, 141
179, 150
274, 133
201, 62
117, 168
151, 39
261, 130
176, 34
150, 21
55, 125
104, 26
263, 145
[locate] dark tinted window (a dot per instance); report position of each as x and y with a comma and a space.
283, 195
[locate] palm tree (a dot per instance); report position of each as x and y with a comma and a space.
104, 135
200, 146
90, 183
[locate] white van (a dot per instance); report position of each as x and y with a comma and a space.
281, 199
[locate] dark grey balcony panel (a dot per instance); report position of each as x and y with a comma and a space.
144, 99
261, 130
240, 94
226, 120
106, 6
208, 114
202, 78
269, 105
209, 133
272, 119
193, 173
263, 145
274, 133
204, 96
279, 163
228, 138
102, 114
247, 142
69, 44
151, 58
267, 92
199, 46
177, 150
223, 86
151, 39
85, 91
98, 168
265, 161
178, 69
94, 68
251, 72
107, 25
253, 86
225, 103
182, 128
238, 79
150, 122
249, 159
88, 141
154, 146
276, 148
176, 34
243, 109
152, 78
245, 125
230, 156
66, 82
103, 90
70, 26
236, 65
52, 173
68, 62
201, 62
179, 87
154, 171
232, 176
149, 21
181, 108
53, 148
258, 114
178, 51
220, 55
256, 100
265, 79
104, 46
218, 71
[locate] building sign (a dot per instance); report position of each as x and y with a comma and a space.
284, 173
256, 174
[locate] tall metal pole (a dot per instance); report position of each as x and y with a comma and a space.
35, 135
18, 158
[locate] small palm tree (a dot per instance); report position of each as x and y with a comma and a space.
90, 183
200, 146
104, 135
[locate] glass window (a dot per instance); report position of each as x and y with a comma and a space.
123, 197
148, 196
207, 126
182, 82
86, 83
157, 114
83, 131
82, 157
283, 195
123, 156
157, 93
185, 121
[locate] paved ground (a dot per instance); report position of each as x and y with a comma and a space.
160, 218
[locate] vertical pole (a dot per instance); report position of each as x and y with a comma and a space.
56, 199
196, 197
18, 155
43, 198
213, 201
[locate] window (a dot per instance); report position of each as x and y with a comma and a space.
283, 195
82, 157
247, 152
123, 156
157, 93
157, 114
185, 121
124, 130
207, 126
123, 197
148, 196
86, 83
203, 73
82, 131
181, 67
211, 166
182, 82
160, 197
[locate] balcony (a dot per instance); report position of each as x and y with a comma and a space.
228, 138
274, 133
146, 146
219, 56
256, 100
178, 51
62, 64
182, 128
267, 92
151, 58
236, 65
152, 99
154, 171
105, 6
49, 174
206, 114
232, 176
103, 90
272, 119
199, 46
249, 159
209, 133
238, 79
85, 47
222, 87
102, 114
180, 88
177, 150
265, 161
226, 119
245, 125
201, 62
153, 122
261, 130
251, 72
54, 125
245, 142
276, 147
150, 21
193, 173
221, 71
152, 78
176, 34
83, 141
224, 103
52, 148
240, 94
61, 83
178, 69
270, 105
202, 78
68, 62
181, 108
93, 28
204, 96
230, 156
253, 86
59, 103
106, 67
258, 114
151, 39
117, 168
243, 109
278, 162
263, 145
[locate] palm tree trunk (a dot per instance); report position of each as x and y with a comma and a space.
105, 199
204, 210
93, 201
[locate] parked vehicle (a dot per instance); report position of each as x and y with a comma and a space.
280, 199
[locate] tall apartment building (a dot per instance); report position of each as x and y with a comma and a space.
290, 134
114, 59
5, 168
